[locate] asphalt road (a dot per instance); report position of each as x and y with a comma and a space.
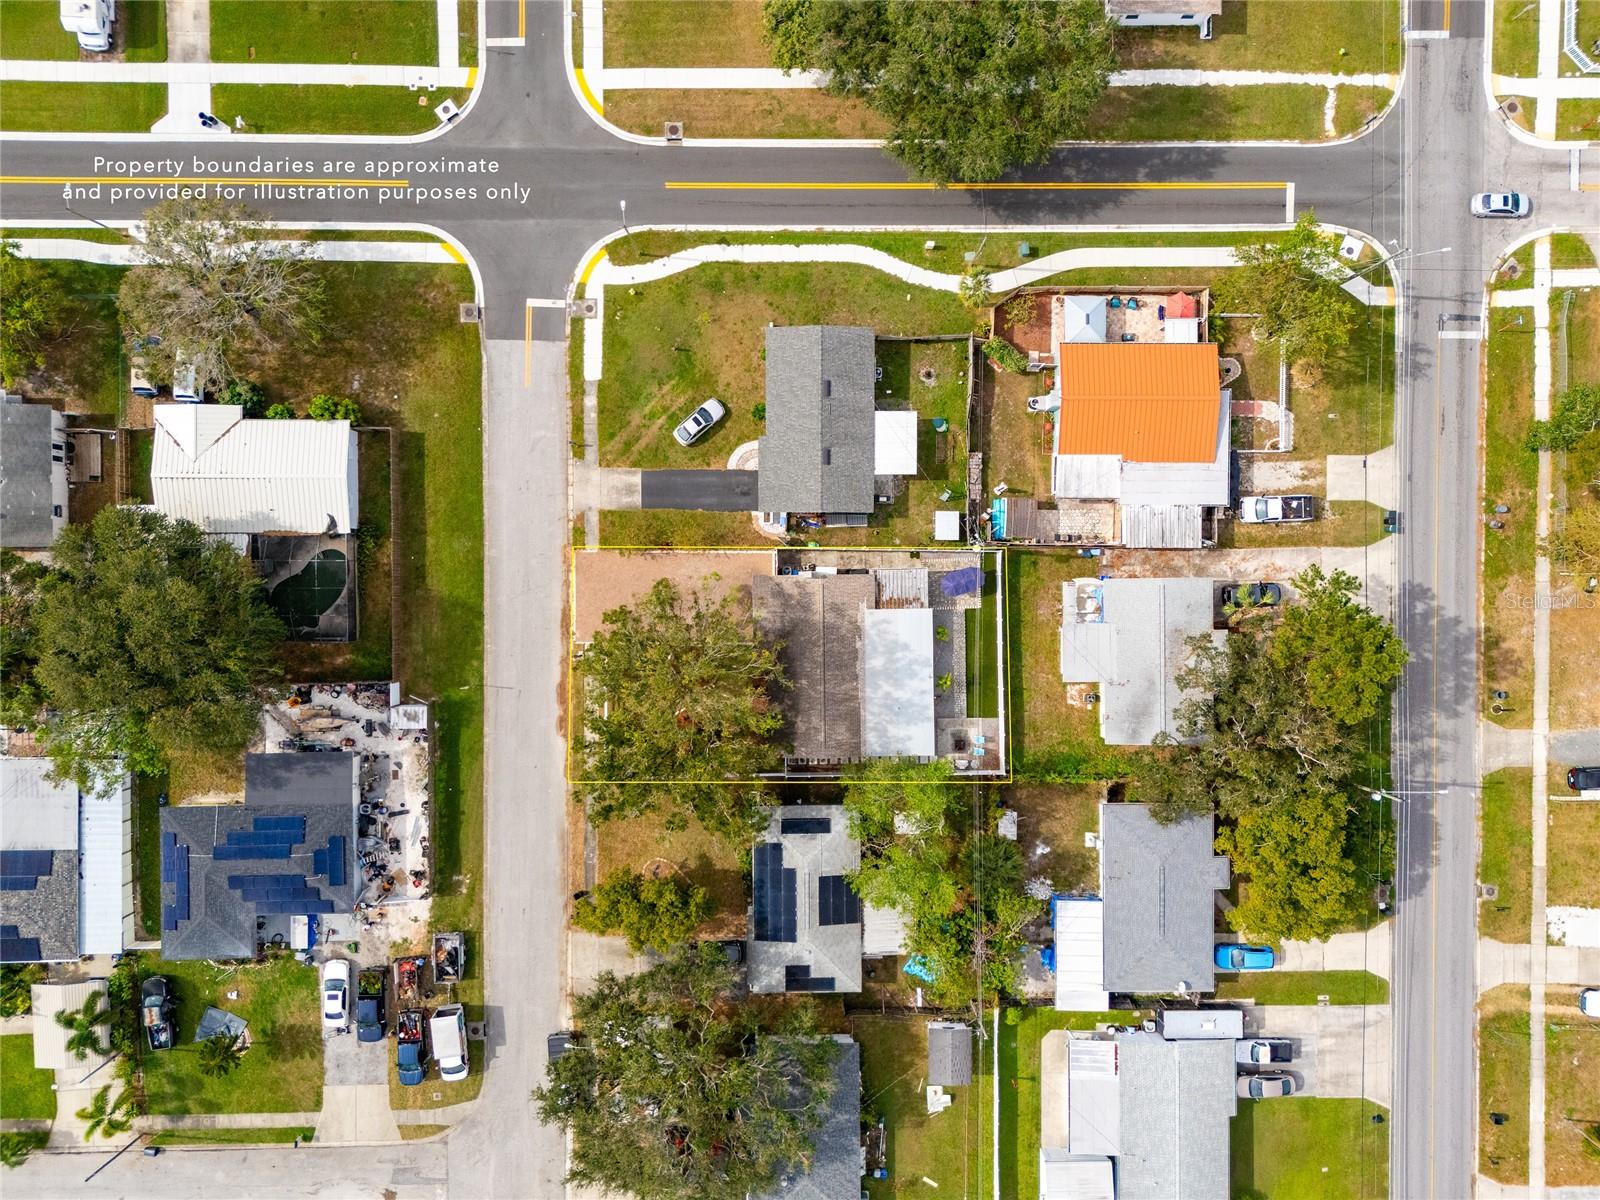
1406, 182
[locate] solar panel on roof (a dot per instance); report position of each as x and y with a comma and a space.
836, 903
805, 825
169, 916
774, 895
298, 824
18, 883
797, 977
20, 869
337, 861
244, 853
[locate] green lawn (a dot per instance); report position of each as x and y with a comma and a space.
951, 1148
282, 1070
27, 105
1303, 987
1503, 1083
25, 1093
1339, 36
141, 454
234, 1137
1507, 854
1570, 251
1019, 1091
1511, 479
983, 675
371, 32
31, 29
1349, 407
1309, 1147
329, 108
1516, 38
674, 33
1572, 1115
1578, 119
1164, 112
83, 368
147, 791
1353, 107
433, 1092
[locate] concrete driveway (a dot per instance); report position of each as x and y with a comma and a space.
708, 491
1340, 1049
355, 1091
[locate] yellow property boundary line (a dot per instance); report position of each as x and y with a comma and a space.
739, 185
574, 715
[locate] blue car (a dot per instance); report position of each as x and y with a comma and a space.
1245, 958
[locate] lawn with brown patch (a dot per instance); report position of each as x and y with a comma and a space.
683, 33
692, 854
1051, 822
194, 774
1574, 849
1338, 523
1572, 1102
609, 579
744, 112
1510, 478
1503, 1041
1018, 443
1507, 840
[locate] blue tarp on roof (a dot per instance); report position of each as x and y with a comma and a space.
964, 582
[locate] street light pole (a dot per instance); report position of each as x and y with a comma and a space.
624, 205
1401, 257
1377, 794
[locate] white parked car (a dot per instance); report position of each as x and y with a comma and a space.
1273, 510
1501, 204
696, 423
335, 994
1589, 1002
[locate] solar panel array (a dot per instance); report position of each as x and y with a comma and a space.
20, 869
16, 948
797, 977
836, 903
281, 894
268, 838
175, 870
775, 907
333, 862
787, 825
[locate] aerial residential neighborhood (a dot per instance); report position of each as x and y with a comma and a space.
697, 599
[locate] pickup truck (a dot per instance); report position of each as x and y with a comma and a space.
370, 1017
1261, 1052
1274, 510
411, 1057
155, 1008
449, 958
408, 981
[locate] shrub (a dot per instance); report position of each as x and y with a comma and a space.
334, 408
246, 394
650, 912
759, 412
1576, 414
1005, 356
279, 412
1019, 309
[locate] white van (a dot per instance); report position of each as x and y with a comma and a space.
184, 390
139, 378
447, 1030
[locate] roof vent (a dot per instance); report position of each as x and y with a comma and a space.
827, 387
827, 456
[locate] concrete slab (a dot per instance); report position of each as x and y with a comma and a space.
1369, 951
1342, 1049
589, 956
604, 487
1363, 477
357, 1113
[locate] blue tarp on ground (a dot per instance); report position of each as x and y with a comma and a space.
964, 582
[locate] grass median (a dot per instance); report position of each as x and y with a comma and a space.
1304, 987
369, 32
1503, 1042
1507, 840
1510, 479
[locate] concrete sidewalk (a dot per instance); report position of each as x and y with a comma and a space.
712, 78
69, 71
271, 1120
1368, 951
126, 254
1506, 962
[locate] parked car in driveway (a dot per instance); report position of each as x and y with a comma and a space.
155, 1008
696, 423
1275, 510
1584, 780
1589, 1002
1232, 957
1259, 1052
411, 1054
1500, 204
371, 1019
335, 995
1251, 595
1265, 1085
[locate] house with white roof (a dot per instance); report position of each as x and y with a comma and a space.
232, 474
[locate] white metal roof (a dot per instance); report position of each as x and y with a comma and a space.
1087, 476
1065, 1176
894, 442
229, 474
105, 882
35, 813
883, 931
1080, 955
1182, 329
1094, 1123
1083, 319
50, 1036
897, 683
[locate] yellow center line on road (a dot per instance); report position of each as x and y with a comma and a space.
743, 185
527, 346
186, 180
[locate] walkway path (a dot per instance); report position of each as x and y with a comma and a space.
346, 74
268, 1120
1506, 962
188, 41
1369, 950
713, 78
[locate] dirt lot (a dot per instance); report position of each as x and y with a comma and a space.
606, 579
1051, 822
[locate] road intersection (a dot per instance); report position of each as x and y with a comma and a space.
564, 178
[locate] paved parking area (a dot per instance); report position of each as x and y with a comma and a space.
1340, 1049
348, 1061
708, 491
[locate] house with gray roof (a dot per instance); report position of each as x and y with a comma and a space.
949, 1053
1150, 930
835, 1169
817, 455
1134, 1117
33, 474
805, 920
66, 865
233, 874
1131, 638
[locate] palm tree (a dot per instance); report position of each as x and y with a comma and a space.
15, 1147
83, 1026
220, 1054
106, 1116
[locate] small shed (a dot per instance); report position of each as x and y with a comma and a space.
894, 442
50, 1051
1083, 318
949, 1053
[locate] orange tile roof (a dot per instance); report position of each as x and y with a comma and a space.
1147, 401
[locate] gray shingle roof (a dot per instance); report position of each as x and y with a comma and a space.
38, 862
222, 923
949, 1053
1176, 1099
817, 455
1157, 882
817, 618
25, 475
828, 951
835, 1172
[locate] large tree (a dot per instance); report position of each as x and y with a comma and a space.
969, 91
1292, 283
20, 579
654, 912
679, 1091
678, 707
1349, 656
149, 638
30, 306
213, 283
